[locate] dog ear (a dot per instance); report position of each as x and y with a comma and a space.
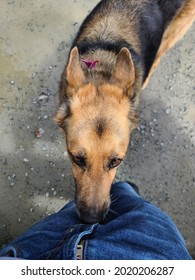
124, 71
61, 115
74, 73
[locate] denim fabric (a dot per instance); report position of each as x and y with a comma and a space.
133, 229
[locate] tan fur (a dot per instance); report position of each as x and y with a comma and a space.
82, 138
98, 128
98, 106
174, 32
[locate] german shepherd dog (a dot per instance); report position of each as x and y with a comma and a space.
112, 57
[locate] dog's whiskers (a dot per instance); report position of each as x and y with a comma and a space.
115, 199
112, 212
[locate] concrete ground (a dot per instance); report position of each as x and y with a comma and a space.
35, 175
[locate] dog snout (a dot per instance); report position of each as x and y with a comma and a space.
92, 214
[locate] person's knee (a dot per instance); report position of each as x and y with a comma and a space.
125, 188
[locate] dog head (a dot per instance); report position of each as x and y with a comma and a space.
97, 119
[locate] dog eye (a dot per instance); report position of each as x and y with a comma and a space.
78, 160
114, 162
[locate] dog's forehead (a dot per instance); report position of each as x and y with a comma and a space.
101, 125
98, 135
92, 92
98, 148
99, 119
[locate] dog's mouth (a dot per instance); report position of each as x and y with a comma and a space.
90, 211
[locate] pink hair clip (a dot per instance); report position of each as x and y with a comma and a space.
90, 64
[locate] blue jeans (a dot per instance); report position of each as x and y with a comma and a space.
134, 229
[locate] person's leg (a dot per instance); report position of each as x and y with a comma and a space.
41, 239
45, 239
124, 196
135, 229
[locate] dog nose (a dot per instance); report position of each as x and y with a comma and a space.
92, 215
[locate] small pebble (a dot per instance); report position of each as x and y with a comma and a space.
39, 132
43, 97
22, 149
34, 75
167, 112
52, 164
47, 194
44, 148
